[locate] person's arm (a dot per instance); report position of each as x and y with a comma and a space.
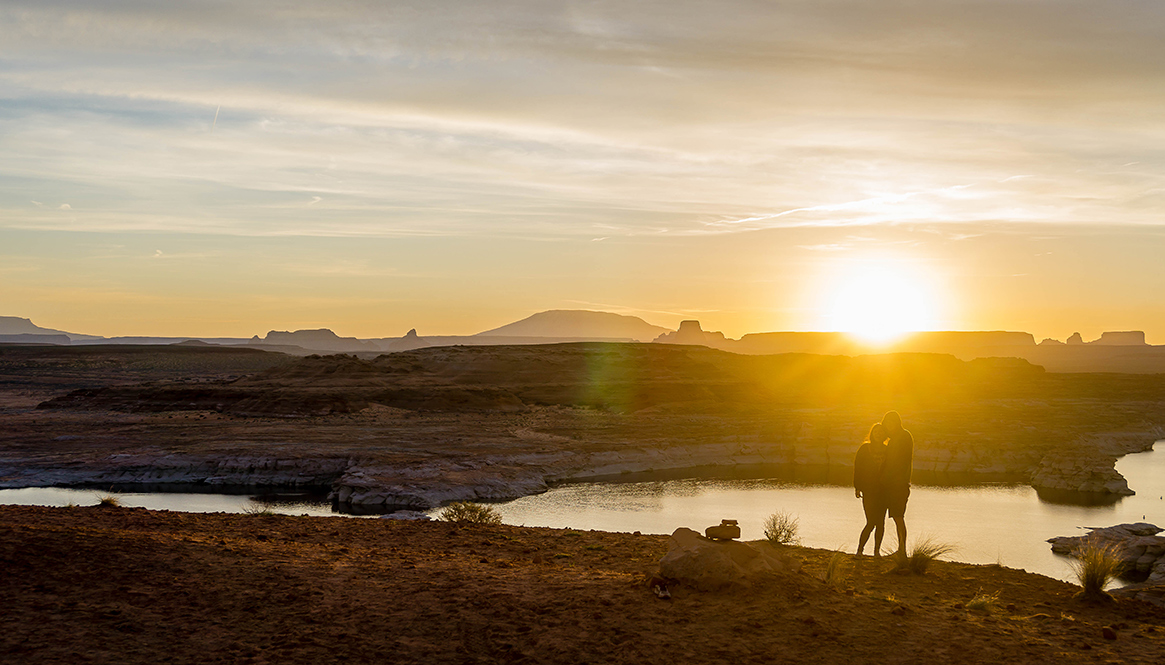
859, 463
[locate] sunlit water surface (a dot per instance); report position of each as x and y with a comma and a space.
1005, 524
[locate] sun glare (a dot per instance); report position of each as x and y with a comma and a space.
879, 302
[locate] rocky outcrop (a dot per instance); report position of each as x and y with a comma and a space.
1075, 339
1121, 338
143, 469
322, 339
1140, 549
1087, 472
690, 332
407, 343
710, 565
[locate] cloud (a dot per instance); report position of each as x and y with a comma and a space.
543, 119
65, 206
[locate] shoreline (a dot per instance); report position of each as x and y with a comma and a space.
236, 475
127, 584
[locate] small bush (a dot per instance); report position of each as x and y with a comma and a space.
257, 508
781, 529
923, 553
466, 512
108, 500
983, 602
837, 569
1095, 565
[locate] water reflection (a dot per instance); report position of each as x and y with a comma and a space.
1004, 523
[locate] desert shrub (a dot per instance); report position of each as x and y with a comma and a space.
983, 602
108, 500
924, 552
257, 508
781, 529
837, 569
1095, 565
471, 513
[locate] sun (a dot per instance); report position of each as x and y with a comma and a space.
880, 301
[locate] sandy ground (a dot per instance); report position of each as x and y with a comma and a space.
104, 585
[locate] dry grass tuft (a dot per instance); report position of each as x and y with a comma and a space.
257, 508
983, 602
781, 529
1095, 565
924, 552
108, 500
837, 570
466, 512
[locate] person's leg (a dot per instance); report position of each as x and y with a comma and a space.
866, 536
900, 525
879, 531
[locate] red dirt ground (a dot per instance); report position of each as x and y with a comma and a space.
104, 585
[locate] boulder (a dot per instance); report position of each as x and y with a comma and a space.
709, 565
1139, 547
727, 530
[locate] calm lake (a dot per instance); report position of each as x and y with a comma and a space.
1005, 524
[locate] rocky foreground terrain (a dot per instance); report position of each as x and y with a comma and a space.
117, 585
417, 428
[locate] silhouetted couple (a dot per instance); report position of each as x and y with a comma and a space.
882, 480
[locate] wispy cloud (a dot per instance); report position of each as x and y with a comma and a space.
545, 119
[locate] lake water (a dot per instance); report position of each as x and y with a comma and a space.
1005, 524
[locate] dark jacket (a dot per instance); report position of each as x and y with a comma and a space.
868, 467
899, 461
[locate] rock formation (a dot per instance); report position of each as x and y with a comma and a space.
407, 343
1124, 338
315, 340
1075, 339
690, 332
709, 565
1140, 549
1048, 341
1083, 471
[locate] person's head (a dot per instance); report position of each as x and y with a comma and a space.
878, 434
892, 422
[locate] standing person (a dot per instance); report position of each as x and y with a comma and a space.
896, 474
868, 487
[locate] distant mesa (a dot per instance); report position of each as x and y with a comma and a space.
1110, 338
690, 332
407, 343
322, 339
15, 329
1124, 338
25, 338
579, 323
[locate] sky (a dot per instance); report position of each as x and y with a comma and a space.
225, 168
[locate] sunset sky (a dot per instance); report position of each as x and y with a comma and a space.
226, 168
